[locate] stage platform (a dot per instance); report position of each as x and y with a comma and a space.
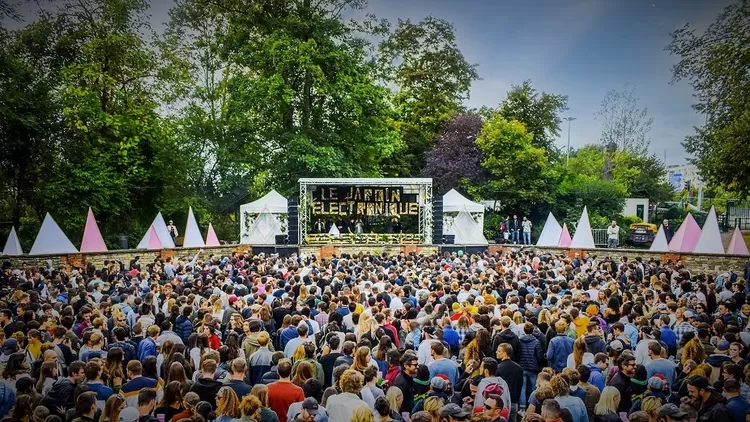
327, 251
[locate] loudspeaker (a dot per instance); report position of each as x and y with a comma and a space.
437, 219
448, 239
282, 239
293, 218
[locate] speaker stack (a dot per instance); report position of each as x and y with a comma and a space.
293, 216
437, 223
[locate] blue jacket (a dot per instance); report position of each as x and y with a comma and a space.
632, 333
738, 407
146, 348
596, 378
595, 344
183, 328
286, 335
559, 348
668, 336
531, 354
7, 398
451, 337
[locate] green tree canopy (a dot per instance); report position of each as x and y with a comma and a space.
717, 65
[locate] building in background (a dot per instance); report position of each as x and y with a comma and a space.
681, 176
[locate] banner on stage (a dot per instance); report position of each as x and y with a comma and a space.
363, 201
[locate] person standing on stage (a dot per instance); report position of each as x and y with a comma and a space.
172, 229
320, 226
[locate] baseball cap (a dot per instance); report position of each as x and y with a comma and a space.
699, 382
672, 411
723, 345
452, 410
662, 307
10, 346
616, 345
128, 414
429, 330
438, 384
688, 314
311, 405
656, 384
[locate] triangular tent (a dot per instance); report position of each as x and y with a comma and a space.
12, 245
550, 233
710, 238
466, 230
211, 238
161, 231
265, 229
51, 239
737, 245
687, 236
660, 241
92, 237
564, 237
193, 238
583, 238
334, 230
153, 239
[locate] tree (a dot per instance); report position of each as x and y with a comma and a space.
717, 65
111, 125
312, 98
521, 174
433, 79
455, 159
601, 197
540, 112
30, 60
623, 123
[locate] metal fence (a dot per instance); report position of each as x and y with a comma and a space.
600, 237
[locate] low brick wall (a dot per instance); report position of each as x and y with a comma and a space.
80, 260
695, 262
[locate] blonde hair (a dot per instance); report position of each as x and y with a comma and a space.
250, 405
651, 406
360, 359
608, 401
433, 405
545, 317
227, 403
261, 392
351, 381
362, 413
694, 351
518, 318
395, 398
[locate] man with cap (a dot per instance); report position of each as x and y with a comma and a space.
128, 414
438, 388
710, 404
10, 346
452, 412
671, 413
310, 411
686, 325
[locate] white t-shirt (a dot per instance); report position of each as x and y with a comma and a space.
424, 352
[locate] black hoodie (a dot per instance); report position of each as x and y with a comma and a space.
206, 389
595, 344
507, 336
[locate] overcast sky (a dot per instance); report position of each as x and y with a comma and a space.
579, 48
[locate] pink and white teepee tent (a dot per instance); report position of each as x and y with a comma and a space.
565, 238
211, 238
737, 245
687, 236
12, 245
92, 237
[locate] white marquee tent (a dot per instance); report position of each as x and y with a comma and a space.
273, 203
454, 202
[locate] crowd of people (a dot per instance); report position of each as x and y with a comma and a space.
516, 336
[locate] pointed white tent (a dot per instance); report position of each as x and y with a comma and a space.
737, 245
660, 241
161, 231
334, 231
274, 202
12, 245
710, 239
151, 240
466, 230
583, 237
211, 238
51, 239
265, 229
193, 237
550, 233
454, 202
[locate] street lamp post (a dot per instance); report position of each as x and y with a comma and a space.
567, 153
